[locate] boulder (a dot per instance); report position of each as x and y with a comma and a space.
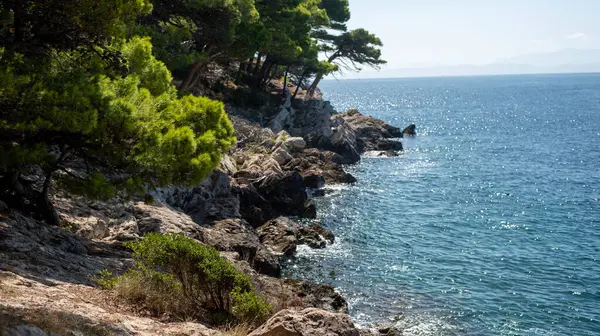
316, 162
310, 209
410, 130
369, 127
262, 164
313, 179
254, 208
368, 132
211, 200
387, 144
315, 236
307, 322
281, 156
88, 227
285, 192
284, 119
25, 330
349, 178
288, 142
236, 235
313, 118
295, 143
344, 142
280, 236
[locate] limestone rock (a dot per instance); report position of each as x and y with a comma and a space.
295, 143
281, 156
344, 142
227, 165
313, 118
368, 131
89, 227
254, 208
369, 127
161, 218
268, 196
312, 161
211, 200
280, 235
238, 236
284, 119
308, 322
262, 164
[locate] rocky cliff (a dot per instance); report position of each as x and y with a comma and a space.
242, 209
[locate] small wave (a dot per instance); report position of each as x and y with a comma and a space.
401, 268
337, 249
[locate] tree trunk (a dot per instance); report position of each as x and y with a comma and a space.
298, 85
46, 208
250, 65
257, 66
238, 75
264, 71
187, 82
285, 80
269, 74
197, 76
313, 86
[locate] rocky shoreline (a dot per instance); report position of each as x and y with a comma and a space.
243, 209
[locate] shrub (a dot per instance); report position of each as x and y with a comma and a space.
158, 292
105, 279
173, 267
247, 306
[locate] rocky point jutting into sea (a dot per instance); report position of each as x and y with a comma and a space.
245, 209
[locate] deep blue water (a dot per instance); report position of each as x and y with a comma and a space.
488, 224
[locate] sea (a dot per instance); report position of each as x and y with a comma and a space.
487, 224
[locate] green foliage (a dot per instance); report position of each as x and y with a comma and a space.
206, 278
248, 306
105, 279
157, 292
31, 26
131, 130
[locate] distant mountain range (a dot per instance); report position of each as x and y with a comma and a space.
563, 61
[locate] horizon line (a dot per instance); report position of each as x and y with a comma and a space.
468, 75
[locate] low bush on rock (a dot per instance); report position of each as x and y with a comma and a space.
179, 276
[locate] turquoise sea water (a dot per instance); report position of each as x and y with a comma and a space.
488, 224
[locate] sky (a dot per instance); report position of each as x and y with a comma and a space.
441, 33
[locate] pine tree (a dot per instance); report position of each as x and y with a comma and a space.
96, 113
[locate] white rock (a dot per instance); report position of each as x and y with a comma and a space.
308, 322
295, 143
281, 156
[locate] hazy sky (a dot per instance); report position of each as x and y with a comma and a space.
424, 33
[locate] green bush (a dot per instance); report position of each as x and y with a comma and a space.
247, 306
105, 279
189, 271
158, 292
